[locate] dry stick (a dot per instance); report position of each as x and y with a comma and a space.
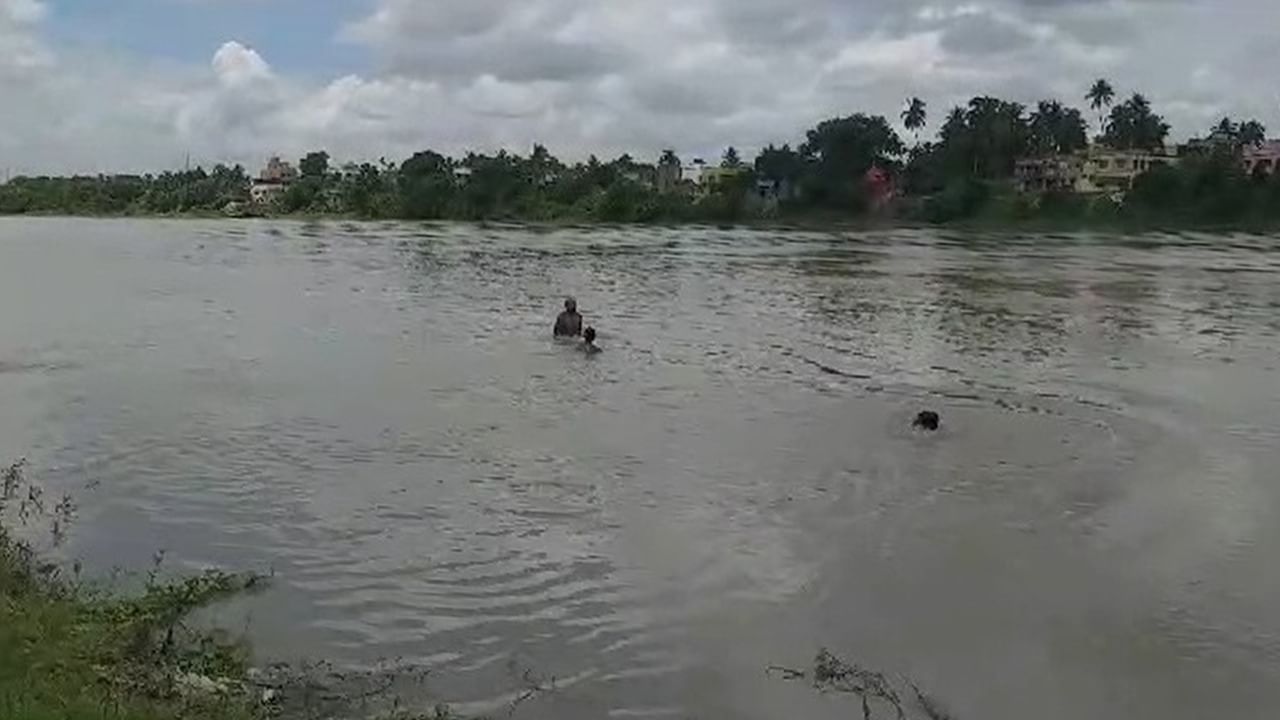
831, 674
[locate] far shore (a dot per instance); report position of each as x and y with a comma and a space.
802, 222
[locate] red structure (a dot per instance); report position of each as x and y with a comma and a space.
879, 187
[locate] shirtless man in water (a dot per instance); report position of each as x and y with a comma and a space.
569, 324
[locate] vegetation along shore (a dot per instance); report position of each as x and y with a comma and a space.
993, 161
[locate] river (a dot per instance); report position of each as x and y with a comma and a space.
376, 414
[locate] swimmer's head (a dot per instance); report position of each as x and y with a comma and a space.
589, 335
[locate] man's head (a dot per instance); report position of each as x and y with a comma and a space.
927, 420
570, 305
589, 335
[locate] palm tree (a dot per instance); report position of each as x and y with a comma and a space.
1100, 97
731, 159
915, 116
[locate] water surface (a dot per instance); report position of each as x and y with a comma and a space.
377, 413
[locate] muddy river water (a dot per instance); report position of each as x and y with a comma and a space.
377, 415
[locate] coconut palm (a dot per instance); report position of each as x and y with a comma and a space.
1100, 97
915, 116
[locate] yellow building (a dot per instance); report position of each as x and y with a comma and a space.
714, 176
1113, 171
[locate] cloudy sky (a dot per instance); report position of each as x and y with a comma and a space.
104, 85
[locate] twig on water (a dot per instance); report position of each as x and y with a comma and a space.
830, 674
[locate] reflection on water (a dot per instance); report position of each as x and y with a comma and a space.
376, 412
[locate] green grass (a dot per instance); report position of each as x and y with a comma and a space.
68, 652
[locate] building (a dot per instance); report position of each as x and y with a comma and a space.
667, 177
278, 171
1113, 171
265, 193
713, 176
272, 181
1053, 173
1096, 171
646, 175
1264, 158
772, 192
880, 188
1218, 141
694, 171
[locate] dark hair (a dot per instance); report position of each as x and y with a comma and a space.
927, 420
589, 334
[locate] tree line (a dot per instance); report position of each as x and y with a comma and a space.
963, 172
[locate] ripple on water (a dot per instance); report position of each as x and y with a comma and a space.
373, 411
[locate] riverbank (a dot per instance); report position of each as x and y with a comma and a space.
72, 652
994, 221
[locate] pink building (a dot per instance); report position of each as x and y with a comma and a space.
880, 189
278, 171
1263, 158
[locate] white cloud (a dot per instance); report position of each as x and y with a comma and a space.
21, 53
237, 66
22, 12
608, 76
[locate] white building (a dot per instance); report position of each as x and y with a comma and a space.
272, 181
695, 171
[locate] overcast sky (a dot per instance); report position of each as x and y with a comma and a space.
107, 85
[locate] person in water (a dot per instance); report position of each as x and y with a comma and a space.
927, 420
589, 341
569, 324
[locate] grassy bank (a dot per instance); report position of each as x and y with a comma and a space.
70, 652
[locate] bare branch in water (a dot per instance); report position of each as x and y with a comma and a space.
830, 674
930, 706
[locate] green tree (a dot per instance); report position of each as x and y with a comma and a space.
984, 139
839, 152
915, 117
1133, 126
314, 165
731, 159
543, 166
426, 164
1055, 129
1159, 190
425, 184
362, 191
1252, 133
779, 164
1100, 97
